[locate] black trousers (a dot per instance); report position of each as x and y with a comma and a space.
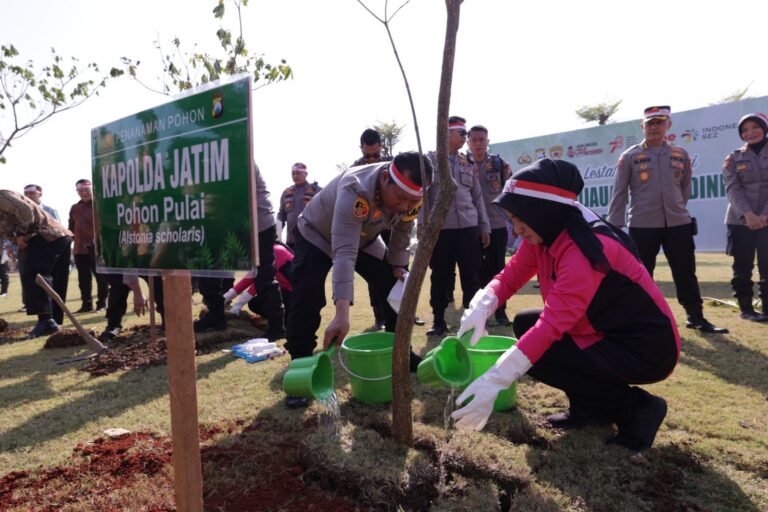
212, 289
679, 249
743, 244
454, 246
117, 301
51, 261
3, 278
493, 259
86, 267
311, 267
598, 378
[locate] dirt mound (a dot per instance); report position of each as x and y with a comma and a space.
102, 468
66, 338
132, 348
103, 473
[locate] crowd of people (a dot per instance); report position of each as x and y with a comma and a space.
605, 326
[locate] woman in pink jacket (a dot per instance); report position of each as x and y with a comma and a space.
605, 324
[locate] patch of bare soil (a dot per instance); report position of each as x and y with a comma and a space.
66, 338
3, 325
104, 467
133, 349
99, 471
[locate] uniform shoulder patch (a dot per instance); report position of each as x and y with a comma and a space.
361, 208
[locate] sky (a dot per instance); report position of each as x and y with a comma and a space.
521, 69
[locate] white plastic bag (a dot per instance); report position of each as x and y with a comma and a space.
396, 293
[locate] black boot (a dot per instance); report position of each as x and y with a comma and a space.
414, 362
639, 420
43, 327
577, 416
696, 320
748, 311
210, 323
439, 327
273, 311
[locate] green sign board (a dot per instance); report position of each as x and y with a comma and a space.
172, 185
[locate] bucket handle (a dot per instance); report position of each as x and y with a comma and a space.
370, 379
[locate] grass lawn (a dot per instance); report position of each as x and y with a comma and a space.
710, 454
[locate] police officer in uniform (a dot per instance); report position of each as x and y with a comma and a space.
44, 248
372, 149
294, 199
213, 289
340, 229
493, 171
746, 182
658, 176
465, 232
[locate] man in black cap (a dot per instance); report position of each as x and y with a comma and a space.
655, 177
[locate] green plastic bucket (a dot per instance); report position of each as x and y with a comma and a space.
448, 364
483, 356
369, 365
310, 377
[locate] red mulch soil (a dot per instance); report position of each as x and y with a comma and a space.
66, 338
101, 468
105, 464
133, 349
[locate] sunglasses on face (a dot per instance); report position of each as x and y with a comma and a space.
371, 156
462, 133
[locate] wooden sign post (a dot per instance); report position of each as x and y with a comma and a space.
182, 376
174, 192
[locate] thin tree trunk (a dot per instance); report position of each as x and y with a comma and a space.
402, 428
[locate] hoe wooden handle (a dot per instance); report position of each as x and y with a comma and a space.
92, 342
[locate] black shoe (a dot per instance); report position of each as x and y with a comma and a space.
296, 402
110, 333
209, 324
438, 329
100, 307
379, 324
638, 431
752, 316
414, 362
43, 327
85, 308
567, 420
418, 321
501, 317
703, 325
450, 298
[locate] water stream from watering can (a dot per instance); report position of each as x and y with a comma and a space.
442, 448
329, 418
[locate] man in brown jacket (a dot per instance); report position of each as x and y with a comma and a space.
44, 248
81, 224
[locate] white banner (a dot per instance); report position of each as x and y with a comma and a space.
708, 134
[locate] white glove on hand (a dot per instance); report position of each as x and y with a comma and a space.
511, 366
229, 295
482, 306
241, 301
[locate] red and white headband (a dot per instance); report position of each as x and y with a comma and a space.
540, 191
457, 125
83, 185
403, 182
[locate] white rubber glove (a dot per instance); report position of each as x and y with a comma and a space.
229, 295
241, 301
482, 306
511, 366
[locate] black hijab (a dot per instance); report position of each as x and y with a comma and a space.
549, 218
